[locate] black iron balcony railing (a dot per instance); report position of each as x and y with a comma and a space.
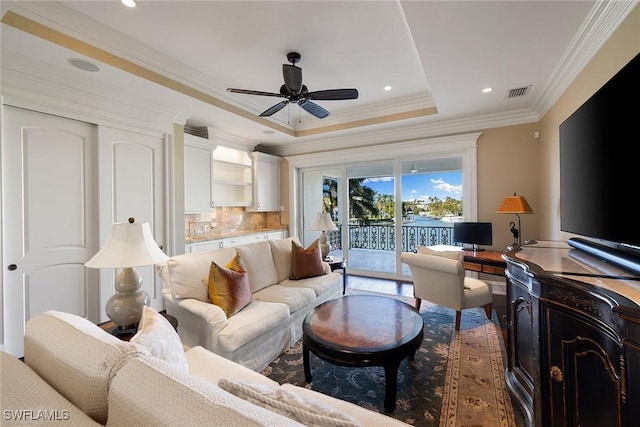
383, 237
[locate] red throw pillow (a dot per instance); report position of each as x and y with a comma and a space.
229, 286
306, 262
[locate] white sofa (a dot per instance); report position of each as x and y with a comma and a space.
74, 373
264, 329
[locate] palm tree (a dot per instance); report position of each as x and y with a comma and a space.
361, 199
330, 195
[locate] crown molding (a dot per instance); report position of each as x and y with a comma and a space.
603, 19
426, 128
443, 144
230, 140
68, 101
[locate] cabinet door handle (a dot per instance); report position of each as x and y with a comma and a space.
516, 308
517, 302
556, 374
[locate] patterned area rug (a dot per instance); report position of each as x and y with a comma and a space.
455, 379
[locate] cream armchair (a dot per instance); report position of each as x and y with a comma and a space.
441, 280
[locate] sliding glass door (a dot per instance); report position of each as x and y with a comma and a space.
384, 208
372, 219
321, 192
431, 193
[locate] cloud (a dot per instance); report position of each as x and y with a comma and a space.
441, 185
380, 179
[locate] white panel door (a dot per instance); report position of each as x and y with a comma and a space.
48, 219
132, 184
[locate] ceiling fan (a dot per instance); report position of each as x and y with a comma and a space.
297, 93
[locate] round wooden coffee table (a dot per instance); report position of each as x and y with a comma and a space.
363, 330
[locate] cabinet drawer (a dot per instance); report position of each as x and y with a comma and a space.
490, 269
472, 266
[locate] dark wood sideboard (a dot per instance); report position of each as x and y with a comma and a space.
573, 338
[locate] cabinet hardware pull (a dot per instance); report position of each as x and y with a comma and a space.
12, 267
556, 374
516, 308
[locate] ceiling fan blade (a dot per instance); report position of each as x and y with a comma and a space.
314, 109
334, 94
292, 78
272, 110
255, 92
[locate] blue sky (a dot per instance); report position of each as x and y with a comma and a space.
422, 185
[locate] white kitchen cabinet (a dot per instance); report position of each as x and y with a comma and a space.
206, 246
243, 240
198, 174
274, 235
232, 177
266, 182
229, 242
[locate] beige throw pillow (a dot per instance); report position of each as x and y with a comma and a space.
156, 334
284, 402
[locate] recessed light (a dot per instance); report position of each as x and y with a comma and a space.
487, 89
128, 3
387, 88
84, 65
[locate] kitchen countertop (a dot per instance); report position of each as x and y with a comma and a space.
228, 235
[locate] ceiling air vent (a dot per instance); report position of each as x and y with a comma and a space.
517, 92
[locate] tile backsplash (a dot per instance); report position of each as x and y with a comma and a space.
228, 221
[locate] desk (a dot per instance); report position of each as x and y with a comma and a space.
489, 262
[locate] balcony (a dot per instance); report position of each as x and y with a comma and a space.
373, 247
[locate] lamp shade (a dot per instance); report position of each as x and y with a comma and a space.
323, 222
131, 245
515, 205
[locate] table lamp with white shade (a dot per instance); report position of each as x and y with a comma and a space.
131, 245
323, 223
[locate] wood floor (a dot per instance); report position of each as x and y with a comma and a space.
384, 286
397, 287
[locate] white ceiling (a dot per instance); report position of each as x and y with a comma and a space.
432, 53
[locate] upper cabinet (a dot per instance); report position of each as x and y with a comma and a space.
198, 174
266, 182
232, 177
218, 175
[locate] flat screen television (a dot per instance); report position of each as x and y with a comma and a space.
599, 170
473, 233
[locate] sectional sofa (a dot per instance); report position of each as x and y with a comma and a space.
283, 291
74, 373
